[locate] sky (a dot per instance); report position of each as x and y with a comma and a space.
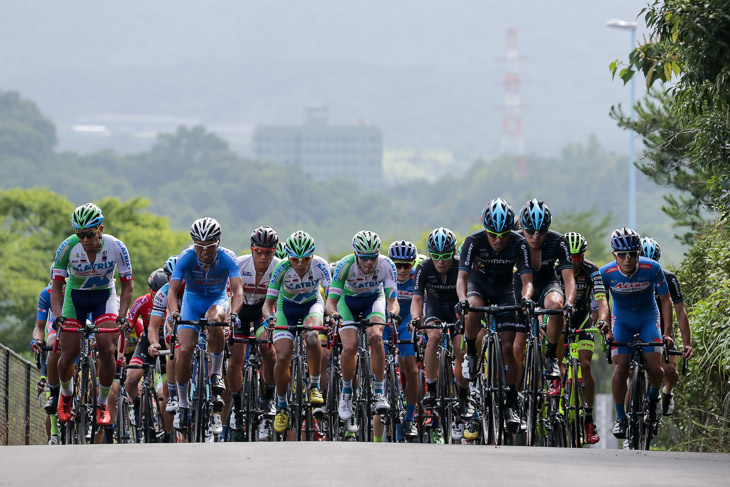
430, 74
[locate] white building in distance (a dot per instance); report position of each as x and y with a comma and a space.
322, 150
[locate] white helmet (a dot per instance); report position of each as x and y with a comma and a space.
206, 228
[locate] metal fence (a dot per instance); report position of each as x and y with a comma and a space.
22, 420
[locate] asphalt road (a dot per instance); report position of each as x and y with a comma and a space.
345, 464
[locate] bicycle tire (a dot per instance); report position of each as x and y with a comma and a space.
334, 430
575, 406
364, 398
635, 430
298, 404
496, 381
122, 424
86, 414
198, 422
250, 404
420, 414
394, 400
446, 396
532, 384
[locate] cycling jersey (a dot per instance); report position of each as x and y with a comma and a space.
349, 280
71, 258
554, 258
206, 281
675, 293
482, 261
141, 309
254, 293
432, 286
405, 296
589, 287
159, 304
286, 285
45, 313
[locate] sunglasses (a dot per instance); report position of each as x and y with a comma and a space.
444, 256
533, 232
498, 235
576, 257
85, 235
367, 256
263, 250
627, 255
205, 247
403, 265
296, 260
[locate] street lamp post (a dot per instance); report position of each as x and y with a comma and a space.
630, 26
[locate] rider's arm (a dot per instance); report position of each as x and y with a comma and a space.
174, 290
57, 296
528, 289
125, 297
237, 291
569, 282
393, 305
153, 329
461, 286
268, 308
417, 307
667, 314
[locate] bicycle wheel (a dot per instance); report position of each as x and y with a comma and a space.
575, 406
334, 430
446, 395
149, 423
199, 420
298, 405
86, 412
364, 412
636, 429
122, 424
532, 385
496, 381
420, 415
250, 404
395, 403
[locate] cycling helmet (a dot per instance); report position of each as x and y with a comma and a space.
577, 243
402, 250
535, 215
169, 266
497, 216
299, 244
87, 216
157, 279
280, 252
366, 242
441, 240
624, 239
265, 237
650, 248
204, 229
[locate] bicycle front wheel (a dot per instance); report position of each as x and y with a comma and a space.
495, 382
532, 384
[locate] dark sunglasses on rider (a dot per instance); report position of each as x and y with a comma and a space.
367, 256
205, 247
444, 256
533, 232
632, 254
403, 265
85, 235
576, 257
263, 250
296, 260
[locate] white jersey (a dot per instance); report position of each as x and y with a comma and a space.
252, 293
288, 286
349, 280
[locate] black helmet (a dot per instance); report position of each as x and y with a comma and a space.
265, 237
157, 279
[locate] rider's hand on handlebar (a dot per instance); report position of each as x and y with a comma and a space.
58, 322
233, 319
395, 318
413, 324
175, 318
270, 321
461, 307
154, 349
688, 352
527, 303
568, 309
35, 345
123, 323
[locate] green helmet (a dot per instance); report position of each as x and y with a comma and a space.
299, 244
366, 242
280, 252
87, 216
577, 243
420, 258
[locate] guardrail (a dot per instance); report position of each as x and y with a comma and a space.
22, 421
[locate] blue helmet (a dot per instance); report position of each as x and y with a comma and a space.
535, 215
497, 216
169, 266
402, 250
625, 239
650, 248
441, 240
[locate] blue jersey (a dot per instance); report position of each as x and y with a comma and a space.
44, 305
633, 297
208, 282
405, 296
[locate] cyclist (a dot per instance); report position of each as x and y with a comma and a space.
435, 287
485, 276
207, 268
256, 269
89, 257
632, 280
548, 252
294, 290
589, 288
362, 283
142, 310
280, 252
403, 254
650, 249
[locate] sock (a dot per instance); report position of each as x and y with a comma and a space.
108, 434
551, 348
55, 430
511, 395
431, 386
137, 408
377, 439
216, 363
435, 421
347, 386
67, 388
103, 396
269, 391
314, 381
183, 396
653, 393
471, 346
172, 389
54, 388
664, 390
379, 386
589, 415
620, 411
410, 412
281, 401
236, 397
463, 391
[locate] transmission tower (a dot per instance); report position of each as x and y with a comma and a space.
512, 141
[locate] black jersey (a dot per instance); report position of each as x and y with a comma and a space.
430, 284
478, 257
588, 282
554, 256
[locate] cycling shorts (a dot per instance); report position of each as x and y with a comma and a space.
647, 328
102, 304
443, 312
506, 321
290, 314
404, 333
351, 307
585, 340
141, 356
250, 319
195, 307
539, 294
